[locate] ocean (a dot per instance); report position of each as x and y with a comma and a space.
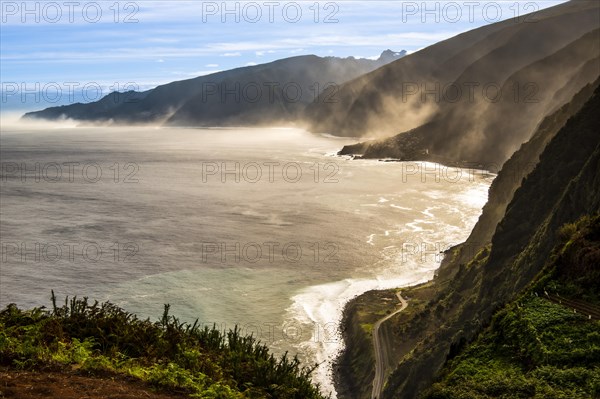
264, 228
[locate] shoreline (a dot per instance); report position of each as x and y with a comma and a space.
384, 284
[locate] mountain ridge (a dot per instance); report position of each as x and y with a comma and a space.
225, 98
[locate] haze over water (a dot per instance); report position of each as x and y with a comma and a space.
258, 227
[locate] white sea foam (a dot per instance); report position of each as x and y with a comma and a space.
401, 207
427, 211
370, 239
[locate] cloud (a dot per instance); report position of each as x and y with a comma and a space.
251, 63
260, 53
292, 45
161, 40
173, 31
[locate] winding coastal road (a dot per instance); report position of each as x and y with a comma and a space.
380, 353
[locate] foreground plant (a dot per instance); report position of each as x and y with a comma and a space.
201, 362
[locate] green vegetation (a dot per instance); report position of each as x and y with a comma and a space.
535, 348
102, 338
367, 328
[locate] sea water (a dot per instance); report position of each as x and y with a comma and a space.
262, 228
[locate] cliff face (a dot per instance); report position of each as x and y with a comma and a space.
514, 170
355, 367
563, 186
472, 98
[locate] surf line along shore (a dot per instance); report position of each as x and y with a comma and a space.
380, 352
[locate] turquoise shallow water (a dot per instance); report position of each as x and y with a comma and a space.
264, 228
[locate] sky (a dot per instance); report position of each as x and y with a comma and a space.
69, 51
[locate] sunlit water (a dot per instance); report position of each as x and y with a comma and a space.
263, 228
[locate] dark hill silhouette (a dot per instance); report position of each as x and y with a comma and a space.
268, 93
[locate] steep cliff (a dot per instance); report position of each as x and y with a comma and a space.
553, 180
514, 170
